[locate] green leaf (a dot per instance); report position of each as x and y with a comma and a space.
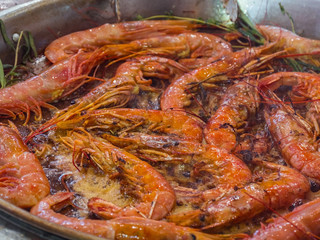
3, 81
5, 37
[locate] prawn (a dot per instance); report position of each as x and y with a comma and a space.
305, 87
153, 134
294, 138
138, 178
22, 179
129, 120
240, 102
107, 34
176, 97
119, 228
278, 189
304, 48
302, 223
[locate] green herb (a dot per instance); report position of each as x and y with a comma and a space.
25, 47
245, 26
296, 66
3, 81
284, 12
5, 37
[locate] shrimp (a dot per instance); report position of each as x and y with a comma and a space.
304, 48
119, 228
117, 33
240, 102
278, 189
125, 120
51, 84
158, 135
305, 87
176, 96
294, 138
23, 181
155, 196
302, 223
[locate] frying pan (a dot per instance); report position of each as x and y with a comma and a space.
49, 19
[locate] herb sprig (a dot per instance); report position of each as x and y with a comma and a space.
24, 47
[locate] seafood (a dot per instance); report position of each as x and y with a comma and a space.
305, 87
294, 138
23, 181
158, 135
121, 120
93, 38
155, 195
302, 223
303, 48
119, 228
239, 104
176, 96
278, 189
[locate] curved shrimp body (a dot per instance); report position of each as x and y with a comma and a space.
294, 139
302, 223
119, 228
305, 87
118, 33
228, 171
240, 102
277, 189
48, 86
155, 195
123, 87
176, 96
126, 120
22, 179
294, 44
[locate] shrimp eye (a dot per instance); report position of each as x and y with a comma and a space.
314, 186
297, 203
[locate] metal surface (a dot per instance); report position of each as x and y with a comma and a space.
49, 19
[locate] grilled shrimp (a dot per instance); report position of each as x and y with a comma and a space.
302, 223
121, 120
278, 189
94, 38
157, 135
176, 95
119, 228
22, 179
305, 87
155, 196
304, 48
240, 102
294, 138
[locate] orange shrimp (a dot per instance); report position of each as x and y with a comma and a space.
302, 223
240, 102
51, 84
278, 189
23, 181
305, 88
119, 228
125, 120
304, 48
153, 134
125, 32
294, 138
155, 196
176, 96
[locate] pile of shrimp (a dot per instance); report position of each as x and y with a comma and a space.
156, 130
